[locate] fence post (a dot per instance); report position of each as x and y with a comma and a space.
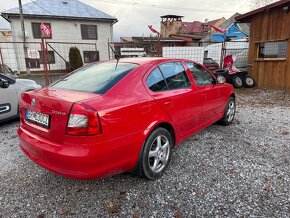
44, 60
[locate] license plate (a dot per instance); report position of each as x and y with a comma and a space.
37, 118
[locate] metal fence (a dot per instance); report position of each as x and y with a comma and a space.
50, 57
216, 51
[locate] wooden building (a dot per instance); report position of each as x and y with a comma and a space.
269, 53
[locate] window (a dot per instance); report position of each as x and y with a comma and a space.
91, 56
37, 31
50, 57
175, 75
155, 81
201, 76
96, 78
276, 49
168, 76
89, 31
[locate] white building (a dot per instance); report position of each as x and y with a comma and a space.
73, 24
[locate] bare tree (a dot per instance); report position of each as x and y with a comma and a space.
260, 3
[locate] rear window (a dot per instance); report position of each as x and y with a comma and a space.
97, 78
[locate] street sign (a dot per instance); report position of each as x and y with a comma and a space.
33, 54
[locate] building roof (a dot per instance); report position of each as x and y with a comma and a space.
4, 24
171, 16
70, 9
197, 26
243, 26
246, 16
188, 37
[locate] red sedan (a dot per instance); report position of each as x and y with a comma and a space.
111, 117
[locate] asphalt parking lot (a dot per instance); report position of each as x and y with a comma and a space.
242, 170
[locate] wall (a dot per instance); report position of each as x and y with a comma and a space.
169, 27
267, 26
68, 31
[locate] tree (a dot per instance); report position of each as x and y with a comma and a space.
260, 3
75, 58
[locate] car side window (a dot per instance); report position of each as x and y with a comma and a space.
155, 81
201, 76
175, 75
168, 76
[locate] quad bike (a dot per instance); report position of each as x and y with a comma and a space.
233, 75
238, 79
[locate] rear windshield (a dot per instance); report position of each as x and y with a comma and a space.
97, 78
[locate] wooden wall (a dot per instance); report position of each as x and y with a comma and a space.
270, 25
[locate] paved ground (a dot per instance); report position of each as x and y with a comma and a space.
238, 171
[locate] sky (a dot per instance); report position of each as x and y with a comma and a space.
134, 16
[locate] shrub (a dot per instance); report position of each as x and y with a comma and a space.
75, 58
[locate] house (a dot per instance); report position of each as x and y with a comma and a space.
269, 53
5, 31
73, 24
234, 31
173, 25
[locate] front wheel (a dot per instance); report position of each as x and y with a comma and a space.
230, 112
157, 153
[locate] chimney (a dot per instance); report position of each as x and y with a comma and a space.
65, 1
206, 20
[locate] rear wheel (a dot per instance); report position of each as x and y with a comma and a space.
229, 113
237, 81
157, 153
249, 82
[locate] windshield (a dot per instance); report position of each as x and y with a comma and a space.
97, 78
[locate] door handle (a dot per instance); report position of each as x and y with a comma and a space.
168, 103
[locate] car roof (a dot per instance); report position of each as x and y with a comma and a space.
146, 60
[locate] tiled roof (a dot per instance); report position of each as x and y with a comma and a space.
60, 8
194, 27
197, 26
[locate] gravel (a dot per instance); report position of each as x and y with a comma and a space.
237, 171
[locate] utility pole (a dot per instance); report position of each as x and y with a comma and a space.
23, 34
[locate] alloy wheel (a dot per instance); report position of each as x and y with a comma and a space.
159, 153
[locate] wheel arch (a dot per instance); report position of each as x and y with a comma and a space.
166, 125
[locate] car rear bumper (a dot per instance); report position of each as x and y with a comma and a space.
75, 160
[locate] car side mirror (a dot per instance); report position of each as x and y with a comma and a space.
220, 79
4, 84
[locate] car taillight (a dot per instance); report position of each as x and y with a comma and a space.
83, 120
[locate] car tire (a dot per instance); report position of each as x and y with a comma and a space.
237, 81
229, 113
249, 82
156, 154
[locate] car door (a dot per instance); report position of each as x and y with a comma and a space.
8, 100
213, 99
169, 85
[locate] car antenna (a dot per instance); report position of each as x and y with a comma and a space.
117, 57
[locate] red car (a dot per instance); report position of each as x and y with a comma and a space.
111, 117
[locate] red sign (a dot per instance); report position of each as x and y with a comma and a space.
45, 31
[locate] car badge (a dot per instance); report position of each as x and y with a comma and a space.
32, 102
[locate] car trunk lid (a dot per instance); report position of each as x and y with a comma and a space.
56, 104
